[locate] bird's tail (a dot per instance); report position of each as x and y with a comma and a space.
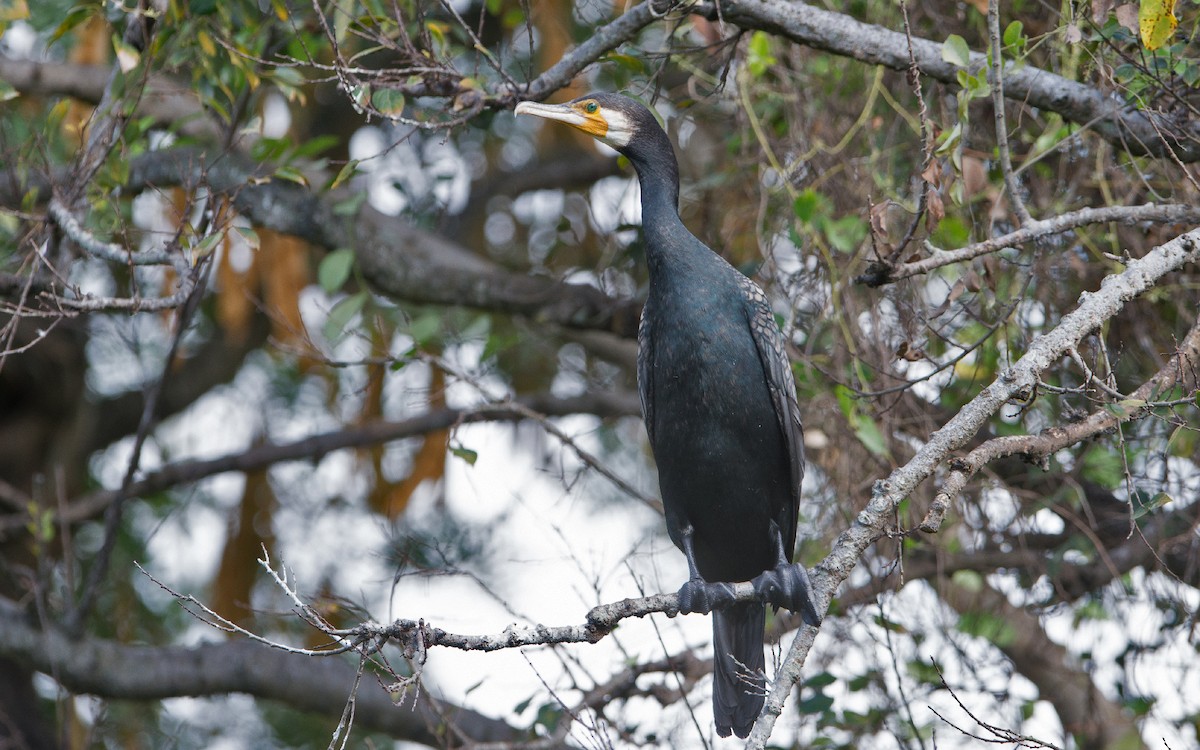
739, 684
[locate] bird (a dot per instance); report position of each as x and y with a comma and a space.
719, 403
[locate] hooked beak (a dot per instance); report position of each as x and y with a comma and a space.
571, 113
561, 112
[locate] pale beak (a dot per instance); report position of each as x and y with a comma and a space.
560, 112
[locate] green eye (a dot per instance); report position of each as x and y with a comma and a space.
591, 108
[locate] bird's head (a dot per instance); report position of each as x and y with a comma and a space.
609, 118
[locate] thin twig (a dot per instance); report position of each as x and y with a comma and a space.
996, 74
113, 514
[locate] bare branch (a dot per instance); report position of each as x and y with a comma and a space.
1140, 132
400, 259
107, 250
996, 76
1061, 679
1182, 369
112, 112
996, 735
316, 446
166, 100
605, 39
1021, 378
118, 671
878, 274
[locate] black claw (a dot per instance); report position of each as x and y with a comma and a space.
700, 596
787, 586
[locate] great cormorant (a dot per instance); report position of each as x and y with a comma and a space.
720, 407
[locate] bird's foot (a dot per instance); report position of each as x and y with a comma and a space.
702, 597
787, 586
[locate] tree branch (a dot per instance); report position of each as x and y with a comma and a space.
1082, 708
996, 76
1021, 378
1139, 132
401, 260
1182, 369
317, 446
116, 671
603, 40
879, 273
164, 99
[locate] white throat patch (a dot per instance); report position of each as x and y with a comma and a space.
620, 128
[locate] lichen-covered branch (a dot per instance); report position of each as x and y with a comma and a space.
1182, 369
1136, 131
122, 672
1016, 382
879, 274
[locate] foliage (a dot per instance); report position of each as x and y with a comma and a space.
325, 301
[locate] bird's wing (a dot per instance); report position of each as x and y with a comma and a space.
778, 369
645, 368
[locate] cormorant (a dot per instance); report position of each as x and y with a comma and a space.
720, 408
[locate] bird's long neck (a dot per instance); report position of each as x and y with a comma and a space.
658, 174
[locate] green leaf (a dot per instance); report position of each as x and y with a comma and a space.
888, 624
314, 146
846, 233
1103, 465
865, 428
1126, 407
549, 715
351, 205
389, 102
869, 434
987, 625
820, 680
292, 175
758, 54
74, 17
335, 269
206, 245
341, 315
955, 51
951, 232
425, 328
127, 55
816, 704
513, 17
968, 579
470, 457
1139, 705
632, 63
7, 92
1014, 34
249, 236
1152, 504
807, 204
1090, 610
924, 672
977, 86
345, 173
862, 681
520, 707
